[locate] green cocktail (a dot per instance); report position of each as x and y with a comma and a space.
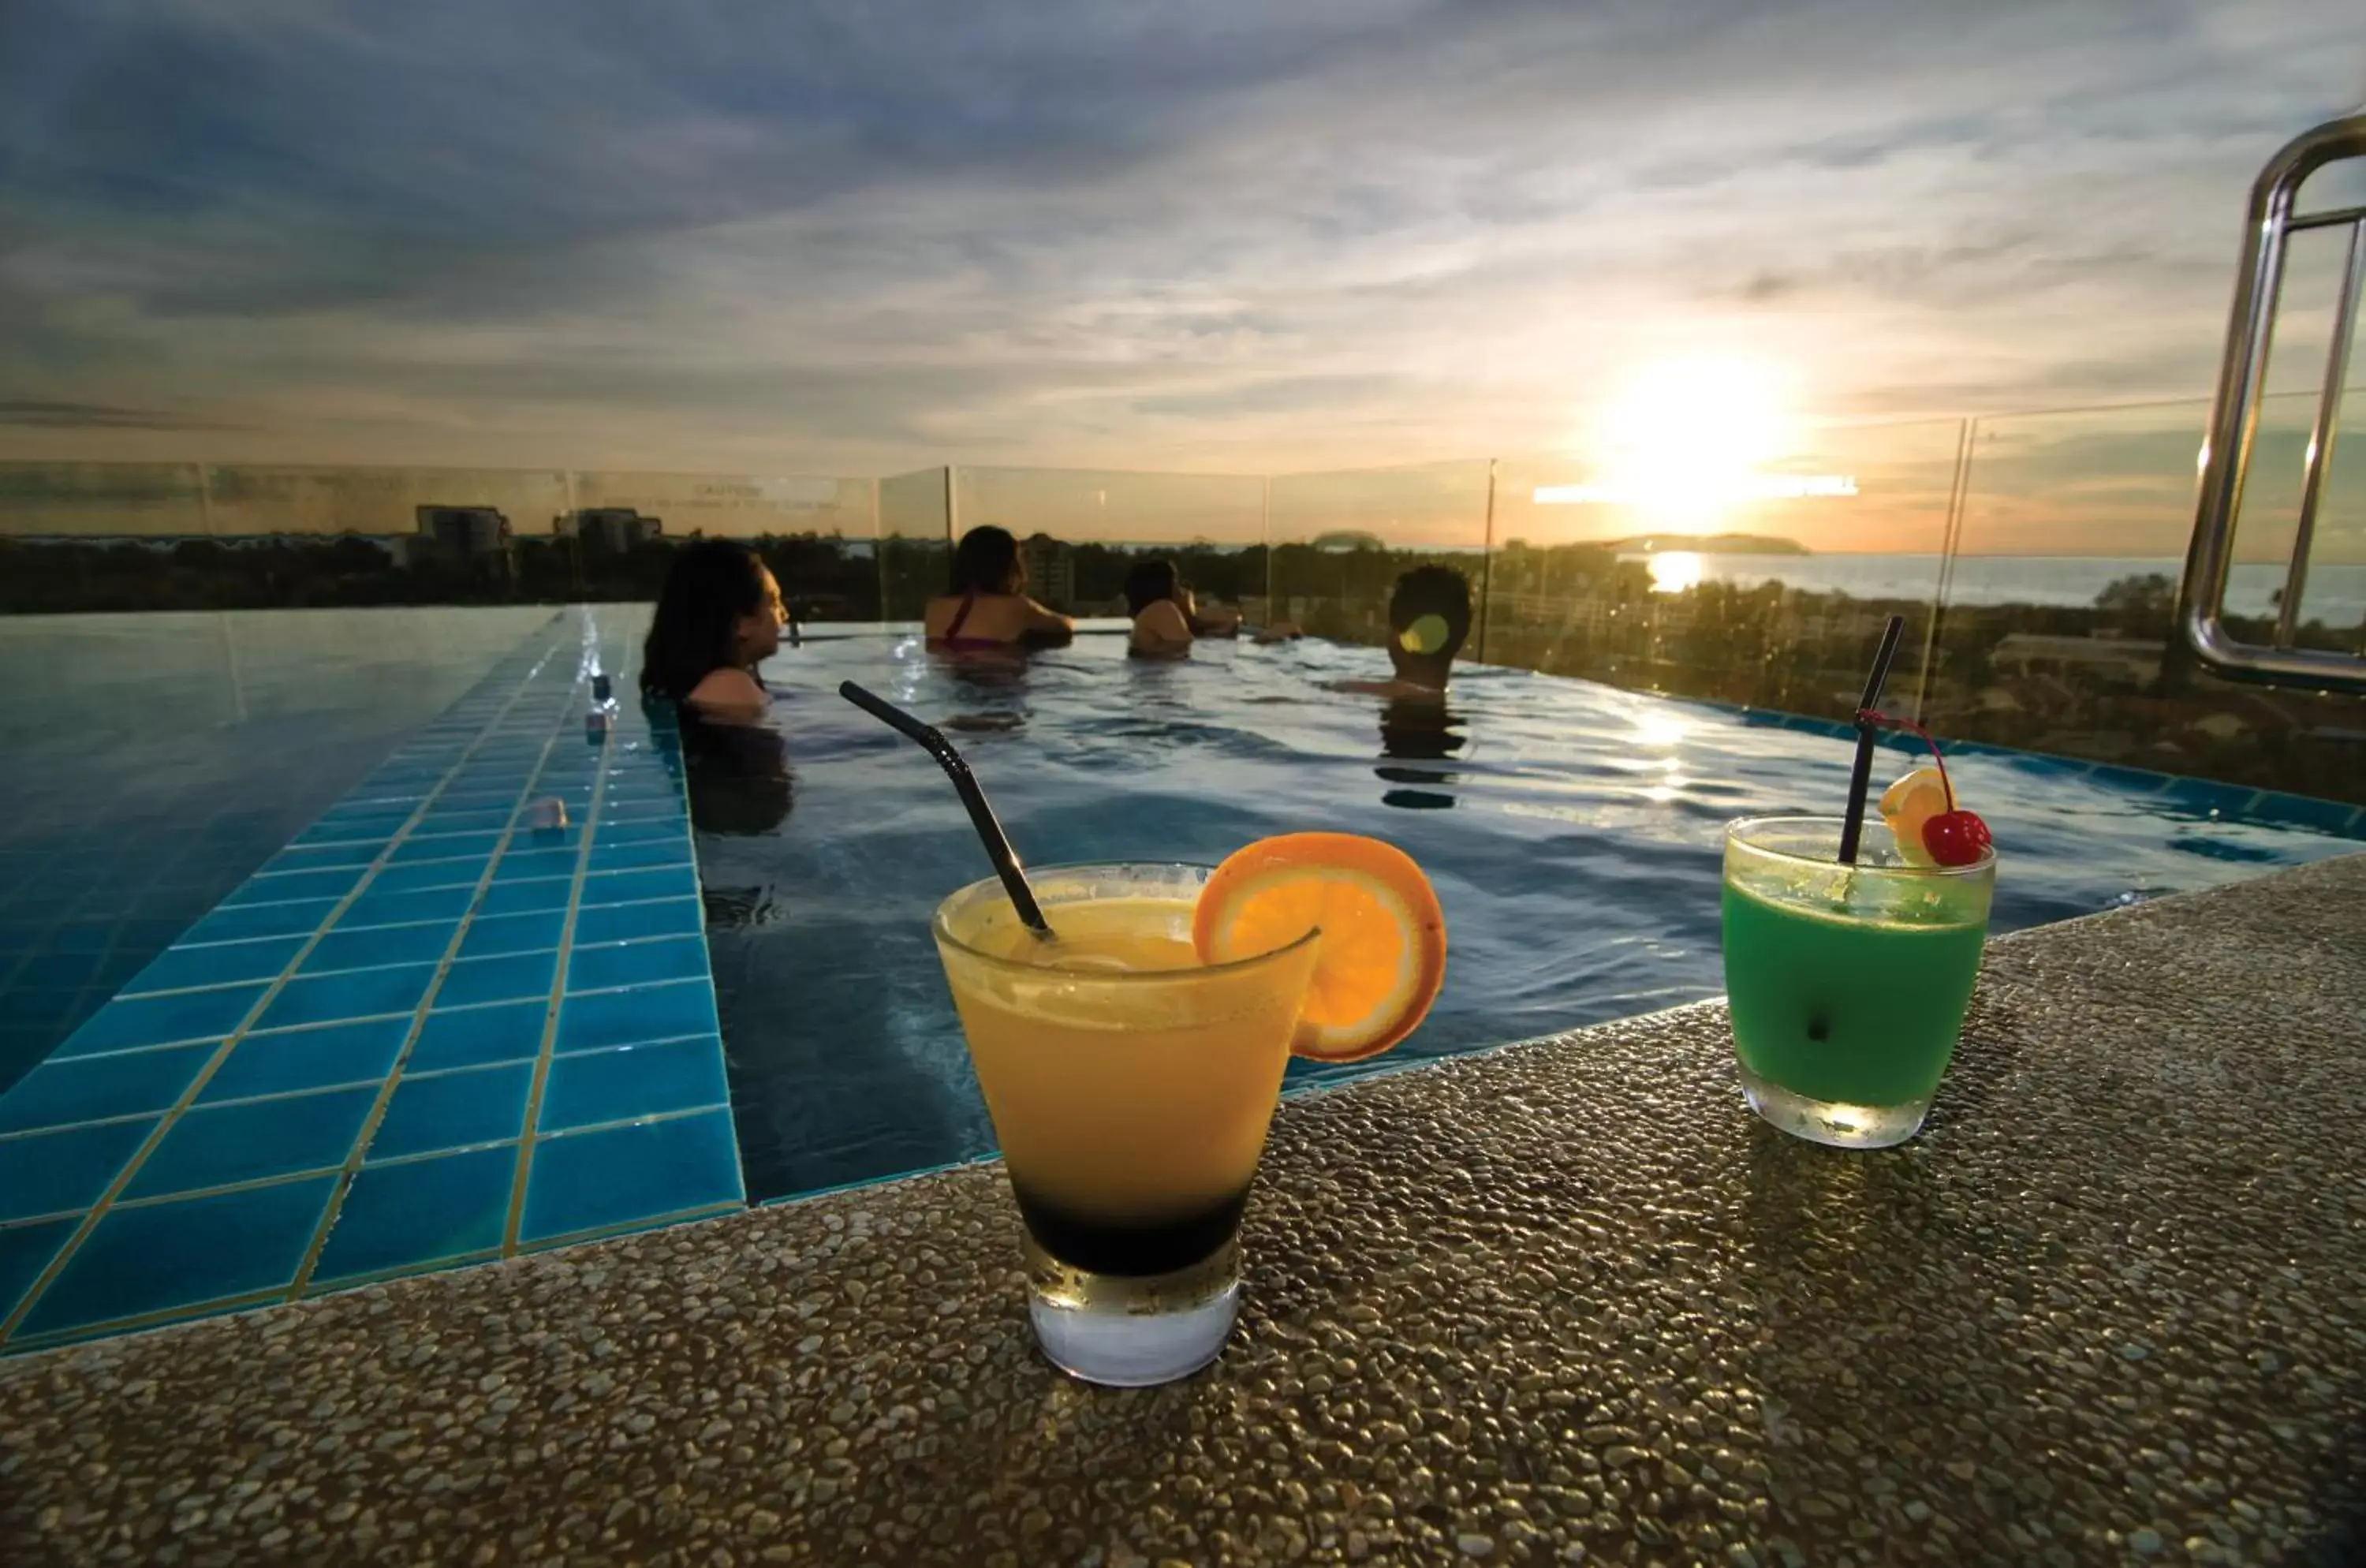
1848, 983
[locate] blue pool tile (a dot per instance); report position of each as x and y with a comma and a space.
161, 1020
451, 1110
59, 1092
445, 847
537, 840
442, 821
424, 874
628, 1017
261, 920
636, 963
637, 857
655, 830
492, 799
472, 1037
419, 1212
216, 964
642, 784
288, 1060
357, 992
526, 897
629, 923
376, 909
250, 1140
2207, 795
294, 885
373, 947
324, 857
25, 1251
630, 1081
49, 1173
617, 1176
628, 886
490, 936
79, 936
373, 825
2130, 780
158, 1257
2048, 766
2300, 811
525, 865
507, 979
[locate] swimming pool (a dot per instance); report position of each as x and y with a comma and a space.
148, 762
1572, 831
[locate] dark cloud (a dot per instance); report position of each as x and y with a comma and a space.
105, 416
1107, 232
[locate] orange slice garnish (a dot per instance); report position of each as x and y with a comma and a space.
1382, 955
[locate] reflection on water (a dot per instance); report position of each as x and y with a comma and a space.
740, 784
1414, 729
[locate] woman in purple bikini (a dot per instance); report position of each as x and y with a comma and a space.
987, 610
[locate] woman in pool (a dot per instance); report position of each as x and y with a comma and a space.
1167, 619
719, 616
987, 610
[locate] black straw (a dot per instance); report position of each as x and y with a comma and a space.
981, 815
1867, 734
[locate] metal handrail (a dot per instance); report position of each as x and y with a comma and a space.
2234, 418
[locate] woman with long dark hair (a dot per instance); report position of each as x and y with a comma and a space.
719, 616
986, 609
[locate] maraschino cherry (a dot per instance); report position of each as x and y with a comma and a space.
1954, 836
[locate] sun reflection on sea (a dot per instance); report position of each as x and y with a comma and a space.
1672, 571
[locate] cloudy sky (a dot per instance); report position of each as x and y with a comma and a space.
1230, 235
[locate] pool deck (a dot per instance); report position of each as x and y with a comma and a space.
1565, 1302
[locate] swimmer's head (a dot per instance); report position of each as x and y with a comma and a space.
987, 561
1429, 618
720, 609
1151, 581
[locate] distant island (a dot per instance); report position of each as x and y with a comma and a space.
1709, 545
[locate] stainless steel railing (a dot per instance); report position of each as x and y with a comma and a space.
2234, 421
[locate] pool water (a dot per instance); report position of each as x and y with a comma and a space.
149, 762
1572, 831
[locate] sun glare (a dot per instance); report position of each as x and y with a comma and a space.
1672, 571
1690, 436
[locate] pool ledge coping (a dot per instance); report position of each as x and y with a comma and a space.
1561, 1301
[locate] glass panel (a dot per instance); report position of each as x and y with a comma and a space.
1768, 586
1341, 539
818, 532
1082, 530
418, 536
914, 541
89, 536
2057, 632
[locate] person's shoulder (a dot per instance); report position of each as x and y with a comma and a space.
729, 689
1165, 620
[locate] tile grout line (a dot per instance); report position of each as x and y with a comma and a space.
172, 1113
51, 1338
516, 1216
367, 1133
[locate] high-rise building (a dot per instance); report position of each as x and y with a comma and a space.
465, 533
1051, 571
612, 529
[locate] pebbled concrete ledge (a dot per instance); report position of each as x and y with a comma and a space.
1566, 1302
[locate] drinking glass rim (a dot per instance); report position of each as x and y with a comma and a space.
1736, 829
943, 933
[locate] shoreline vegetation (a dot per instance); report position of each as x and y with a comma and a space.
2104, 682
